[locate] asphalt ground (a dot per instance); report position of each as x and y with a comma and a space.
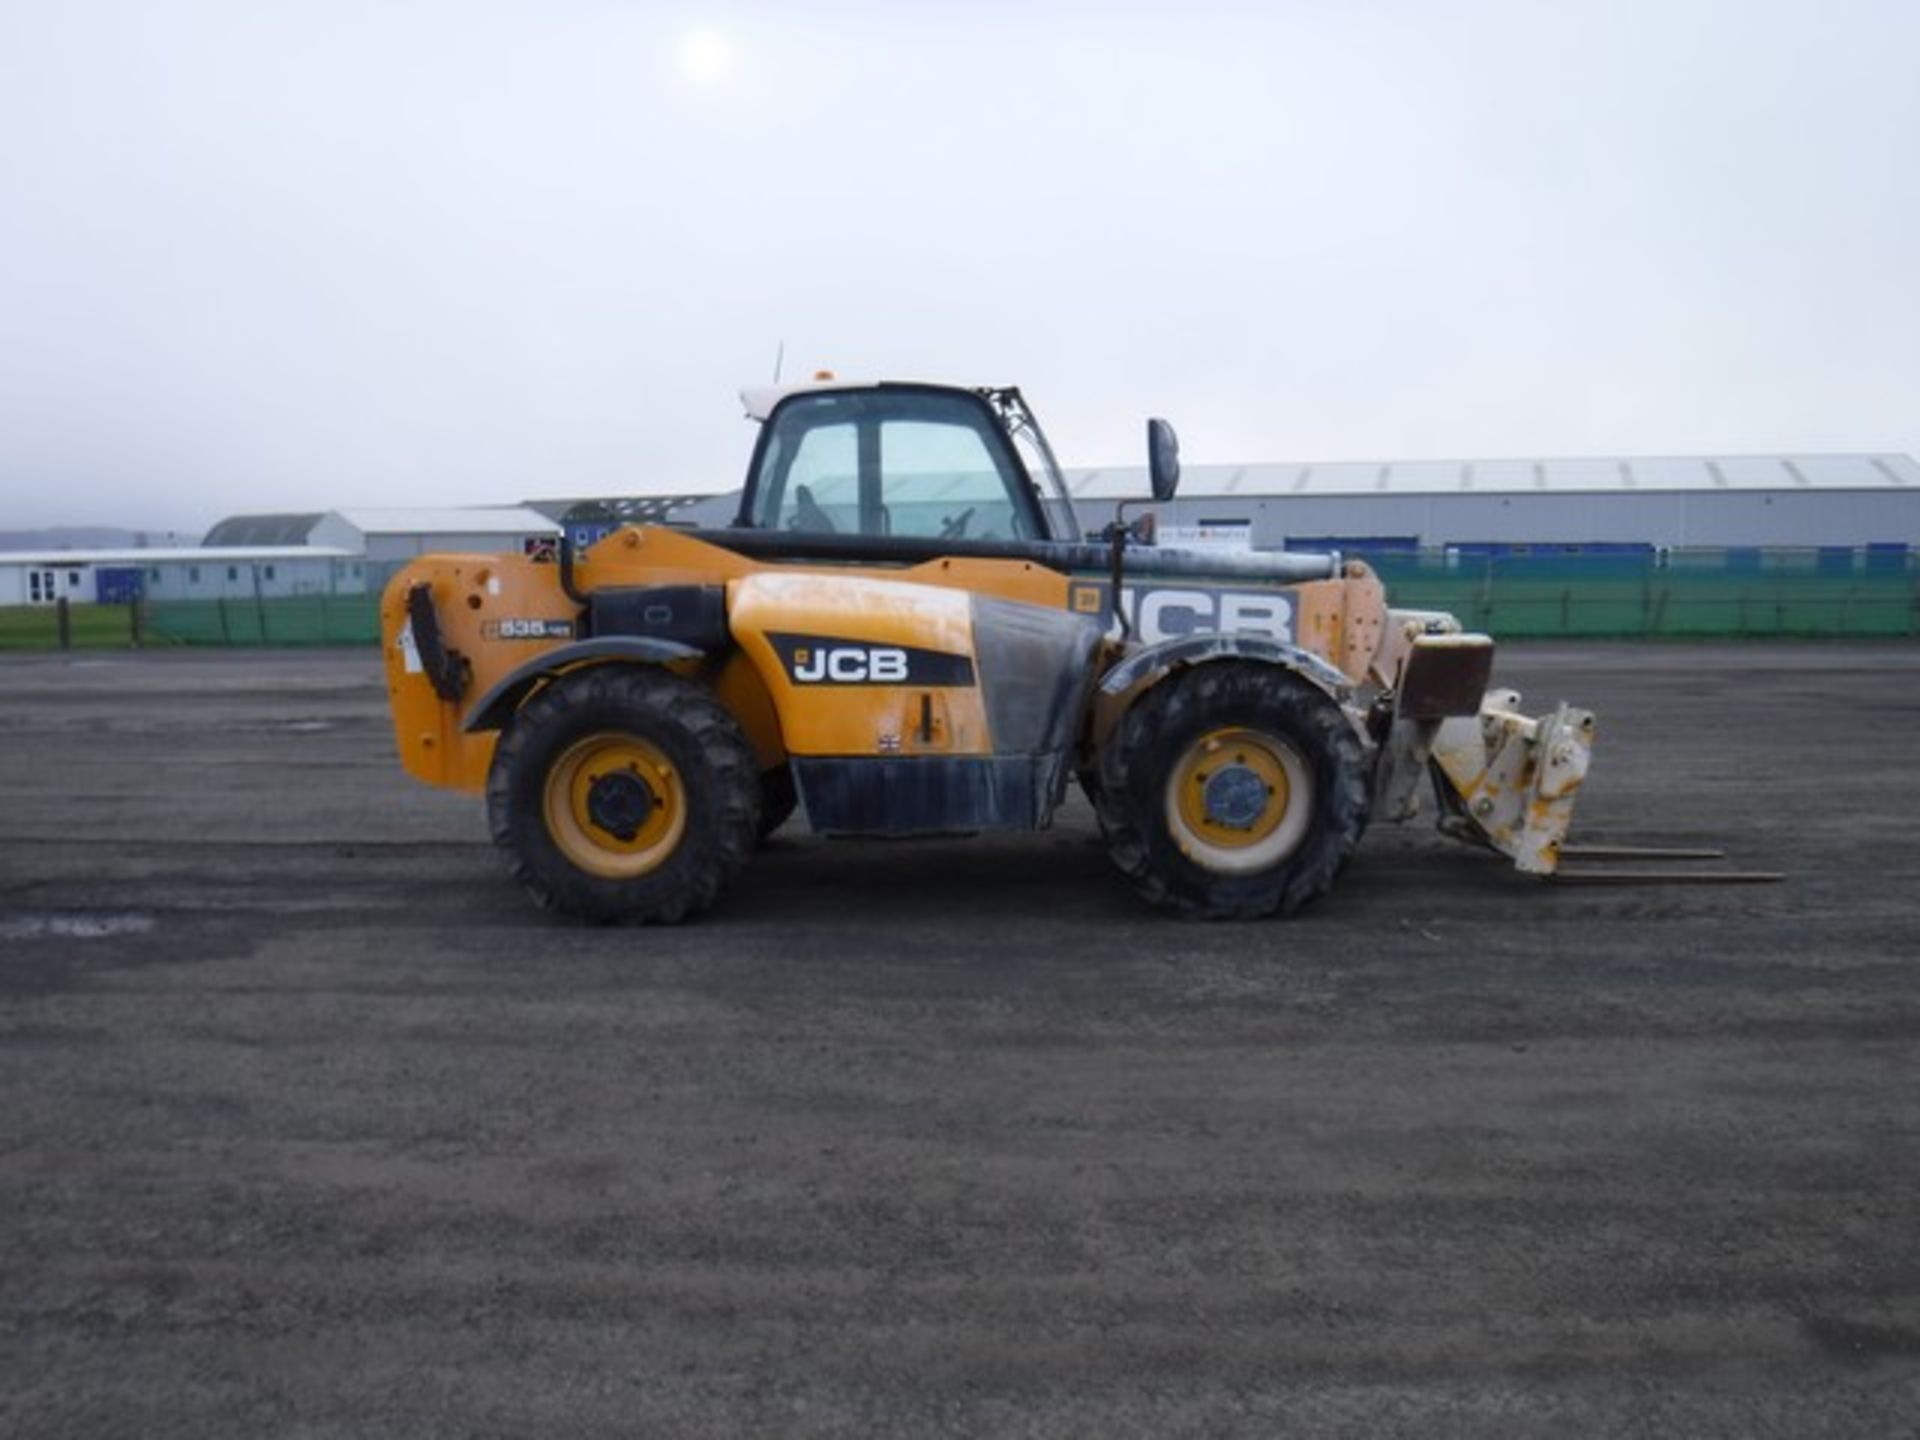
312, 1126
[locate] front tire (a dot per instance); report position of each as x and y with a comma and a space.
1233, 791
620, 793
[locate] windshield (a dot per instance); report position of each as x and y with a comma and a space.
1037, 455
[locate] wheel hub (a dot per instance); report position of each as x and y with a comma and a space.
1235, 796
619, 803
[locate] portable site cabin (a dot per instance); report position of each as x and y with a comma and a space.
118, 577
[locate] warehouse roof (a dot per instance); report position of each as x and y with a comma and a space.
262, 530
628, 509
451, 519
1439, 477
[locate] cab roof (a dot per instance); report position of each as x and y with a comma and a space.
761, 399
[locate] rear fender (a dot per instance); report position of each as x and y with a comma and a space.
493, 709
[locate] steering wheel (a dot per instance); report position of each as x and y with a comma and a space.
954, 527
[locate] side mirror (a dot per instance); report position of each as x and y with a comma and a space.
1163, 459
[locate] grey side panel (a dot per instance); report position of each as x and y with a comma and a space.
1198, 649
928, 794
1036, 666
494, 708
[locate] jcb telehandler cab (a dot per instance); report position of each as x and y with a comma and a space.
905, 631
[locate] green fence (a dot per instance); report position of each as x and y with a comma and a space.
1675, 594
296, 620
1705, 593
89, 627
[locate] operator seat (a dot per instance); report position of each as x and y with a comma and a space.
807, 514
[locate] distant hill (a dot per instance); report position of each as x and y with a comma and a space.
91, 537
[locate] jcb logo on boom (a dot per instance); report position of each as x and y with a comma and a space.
1167, 612
850, 665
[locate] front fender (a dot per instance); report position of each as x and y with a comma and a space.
1147, 667
1144, 667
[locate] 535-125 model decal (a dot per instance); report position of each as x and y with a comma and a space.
527, 629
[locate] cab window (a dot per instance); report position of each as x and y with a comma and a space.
822, 490
902, 463
940, 479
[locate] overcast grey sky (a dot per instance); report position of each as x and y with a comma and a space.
294, 255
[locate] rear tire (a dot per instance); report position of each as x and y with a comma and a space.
621, 793
1233, 791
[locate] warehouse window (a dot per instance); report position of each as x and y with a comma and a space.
1886, 557
269, 572
1353, 544
73, 579
153, 575
193, 574
233, 572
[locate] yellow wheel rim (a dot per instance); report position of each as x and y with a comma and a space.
1239, 800
615, 805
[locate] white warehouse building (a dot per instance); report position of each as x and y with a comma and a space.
1735, 502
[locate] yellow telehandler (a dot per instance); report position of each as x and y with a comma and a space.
904, 631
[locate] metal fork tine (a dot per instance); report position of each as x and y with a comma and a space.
1637, 852
1666, 877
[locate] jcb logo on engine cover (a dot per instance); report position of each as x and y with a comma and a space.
850, 664
824, 660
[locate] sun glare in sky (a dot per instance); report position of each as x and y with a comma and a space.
705, 56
